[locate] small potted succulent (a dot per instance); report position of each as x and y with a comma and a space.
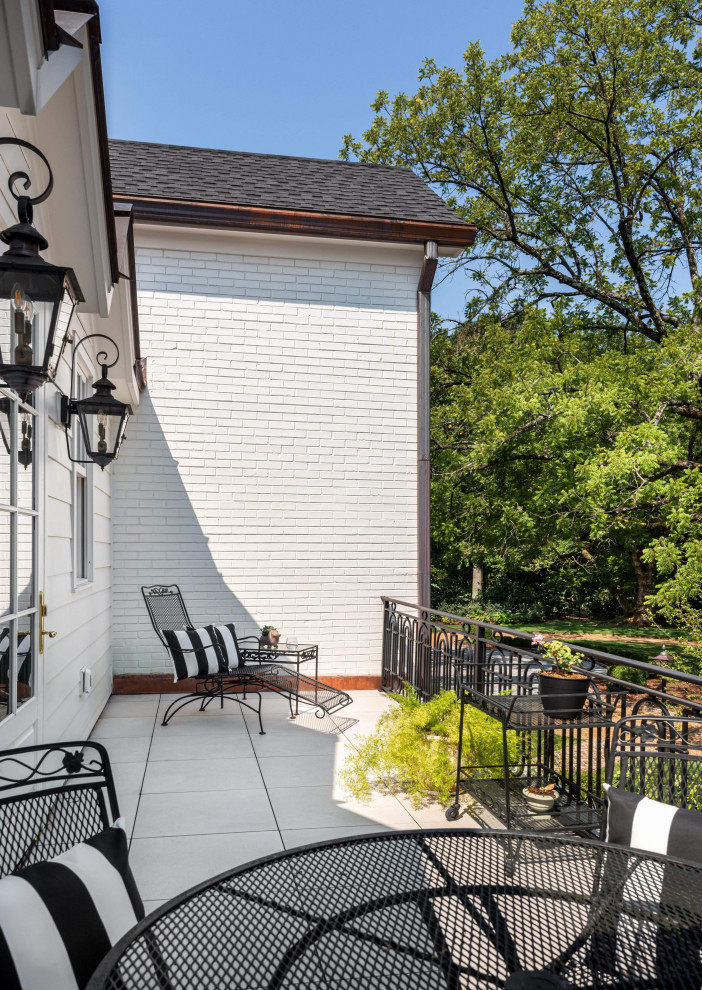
270, 637
540, 798
563, 690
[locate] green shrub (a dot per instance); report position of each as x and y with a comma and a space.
413, 749
478, 609
631, 674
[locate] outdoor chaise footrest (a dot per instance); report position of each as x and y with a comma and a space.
291, 684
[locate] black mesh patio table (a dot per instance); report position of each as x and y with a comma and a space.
426, 909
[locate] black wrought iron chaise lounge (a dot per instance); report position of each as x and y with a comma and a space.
168, 613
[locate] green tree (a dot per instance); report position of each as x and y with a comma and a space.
569, 406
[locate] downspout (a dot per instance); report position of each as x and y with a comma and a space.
426, 279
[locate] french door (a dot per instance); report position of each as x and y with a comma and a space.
21, 451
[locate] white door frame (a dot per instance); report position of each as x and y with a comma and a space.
25, 725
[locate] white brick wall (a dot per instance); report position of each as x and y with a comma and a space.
271, 467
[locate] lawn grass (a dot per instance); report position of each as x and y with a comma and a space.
569, 628
644, 652
626, 645
626, 648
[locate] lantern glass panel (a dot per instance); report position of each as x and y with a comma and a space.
29, 301
101, 424
65, 312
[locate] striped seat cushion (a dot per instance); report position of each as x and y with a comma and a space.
640, 887
194, 652
637, 821
229, 644
59, 918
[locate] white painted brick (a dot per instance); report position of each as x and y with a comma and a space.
270, 469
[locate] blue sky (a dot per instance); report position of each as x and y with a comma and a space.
285, 77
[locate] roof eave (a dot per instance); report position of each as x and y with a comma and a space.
301, 222
95, 39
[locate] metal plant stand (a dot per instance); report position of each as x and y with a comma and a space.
293, 655
544, 750
434, 910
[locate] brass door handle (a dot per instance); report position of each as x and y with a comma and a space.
42, 615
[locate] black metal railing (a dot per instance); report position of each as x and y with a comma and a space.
433, 651
425, 648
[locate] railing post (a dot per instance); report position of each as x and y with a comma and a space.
424, 652
479, 654
385, 657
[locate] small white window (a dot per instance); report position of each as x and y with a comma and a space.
82, 502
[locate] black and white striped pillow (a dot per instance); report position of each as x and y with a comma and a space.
637, 821
642, 885
194, 652
229, 644
59, 918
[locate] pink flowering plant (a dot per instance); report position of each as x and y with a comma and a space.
564, 660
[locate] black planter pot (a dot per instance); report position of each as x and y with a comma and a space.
563, 697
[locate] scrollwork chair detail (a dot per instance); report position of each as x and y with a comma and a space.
52, 797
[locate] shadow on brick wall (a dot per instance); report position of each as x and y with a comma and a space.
157, 538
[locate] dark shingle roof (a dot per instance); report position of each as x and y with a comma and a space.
282, 182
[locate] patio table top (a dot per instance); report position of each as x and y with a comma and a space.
430, 909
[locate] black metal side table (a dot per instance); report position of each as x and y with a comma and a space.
544, 750
296, 655
434, 910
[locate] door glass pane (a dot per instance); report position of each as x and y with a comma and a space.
25, 530
6, 408
25, 659
17, 531
4, 668
25, 459
4, 562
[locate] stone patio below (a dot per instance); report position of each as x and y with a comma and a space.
207, 792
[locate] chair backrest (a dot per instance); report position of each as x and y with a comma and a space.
166, 609
52, 797
659, 756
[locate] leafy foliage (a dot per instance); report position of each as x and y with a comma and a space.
413, 749
631, 674
564, 660
481, 611
567, 408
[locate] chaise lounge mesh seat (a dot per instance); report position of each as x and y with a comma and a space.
167, 612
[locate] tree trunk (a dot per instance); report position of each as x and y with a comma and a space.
477, 581
644, 585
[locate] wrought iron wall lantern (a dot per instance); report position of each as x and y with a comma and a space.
102, 418
37, 299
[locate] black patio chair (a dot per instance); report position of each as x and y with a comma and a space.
167, 611
658, 756
52, 797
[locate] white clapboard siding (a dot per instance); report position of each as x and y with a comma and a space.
80, 615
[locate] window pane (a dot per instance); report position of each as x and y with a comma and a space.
81, 543
4, 669
4, 562
25, 659
6, 409
25, 530
25, 459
